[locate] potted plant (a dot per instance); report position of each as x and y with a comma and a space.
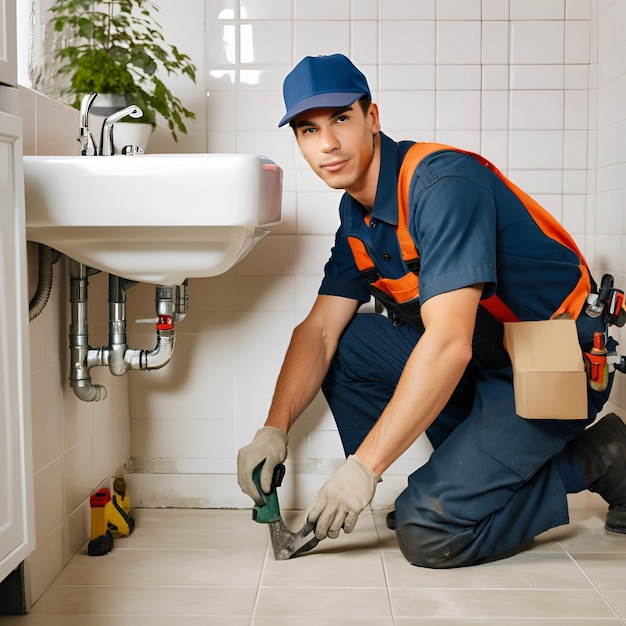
117, 47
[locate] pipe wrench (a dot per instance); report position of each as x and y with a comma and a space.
285, 543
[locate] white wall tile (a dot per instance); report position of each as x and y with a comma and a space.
275, 255
574, 213
317, 212
456, 77
458, 110
577, 9
49, 511
533, 149
458, 9
494, 145
577, 77
495, 110
495, 42
321, 37
77, 475
271, 41
575, 149
407, 10
459, 42
364, 42
537, 9
495, 10
495, 77
407, 77
537, 76
322, 9
537, 42
264, 293
364, 9
576, 110
313, 253
536, 110
413, 109
577, 42
420, 34
274, 10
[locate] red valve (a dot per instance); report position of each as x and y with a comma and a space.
164, 322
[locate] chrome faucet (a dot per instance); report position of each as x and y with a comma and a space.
86, 138
106, 137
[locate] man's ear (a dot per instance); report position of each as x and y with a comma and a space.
372, 115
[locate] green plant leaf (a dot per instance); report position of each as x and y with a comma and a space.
117, 46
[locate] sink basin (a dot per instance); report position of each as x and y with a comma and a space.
155, 218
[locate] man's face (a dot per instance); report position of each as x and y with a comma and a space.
338, 145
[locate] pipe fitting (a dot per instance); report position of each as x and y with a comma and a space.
170, 301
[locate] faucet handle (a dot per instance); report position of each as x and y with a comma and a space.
132, 150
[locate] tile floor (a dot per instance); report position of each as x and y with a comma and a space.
213, 568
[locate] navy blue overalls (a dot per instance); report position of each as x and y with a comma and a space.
494, 480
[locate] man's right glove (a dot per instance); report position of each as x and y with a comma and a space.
269, 445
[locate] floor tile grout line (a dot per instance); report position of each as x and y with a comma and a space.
597, 589
386, 576
259, 585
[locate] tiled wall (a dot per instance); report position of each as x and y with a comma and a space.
606, 224
520, 81
76, 446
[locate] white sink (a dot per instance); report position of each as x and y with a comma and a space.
155, 218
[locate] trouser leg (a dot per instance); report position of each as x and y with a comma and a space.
490, 487
363, 376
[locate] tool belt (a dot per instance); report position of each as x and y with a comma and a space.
487, 342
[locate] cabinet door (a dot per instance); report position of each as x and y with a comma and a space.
17, 534
8, 44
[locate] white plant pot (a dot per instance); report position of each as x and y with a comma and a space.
131, 134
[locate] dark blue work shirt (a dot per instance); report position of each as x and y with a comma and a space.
469, 228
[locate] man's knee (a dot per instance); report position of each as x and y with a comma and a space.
429, 547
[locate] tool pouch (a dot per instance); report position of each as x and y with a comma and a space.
488, 340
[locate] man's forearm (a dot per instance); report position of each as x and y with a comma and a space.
427, 382
301, 376
430, 376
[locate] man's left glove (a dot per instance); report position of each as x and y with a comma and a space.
342, 498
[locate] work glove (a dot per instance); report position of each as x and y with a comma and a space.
269, 447
342, 498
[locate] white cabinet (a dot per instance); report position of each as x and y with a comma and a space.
8, 46
17, 532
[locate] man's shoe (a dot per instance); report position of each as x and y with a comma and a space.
616, 519
601, 454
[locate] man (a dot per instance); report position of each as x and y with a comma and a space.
494, 480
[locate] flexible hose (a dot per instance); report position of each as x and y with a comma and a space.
44, 282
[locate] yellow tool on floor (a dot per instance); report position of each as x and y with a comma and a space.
110, 517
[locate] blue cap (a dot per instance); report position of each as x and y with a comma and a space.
322, 82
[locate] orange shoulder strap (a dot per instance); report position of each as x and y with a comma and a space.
572, 305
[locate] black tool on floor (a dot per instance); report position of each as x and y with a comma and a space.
285, 543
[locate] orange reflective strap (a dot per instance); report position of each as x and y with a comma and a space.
402, 289
575, 301
415, 154
406, 288
361, 257
498, 309
548, 224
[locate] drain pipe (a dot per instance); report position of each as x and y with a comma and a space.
80, 354
118, 356
171, 306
